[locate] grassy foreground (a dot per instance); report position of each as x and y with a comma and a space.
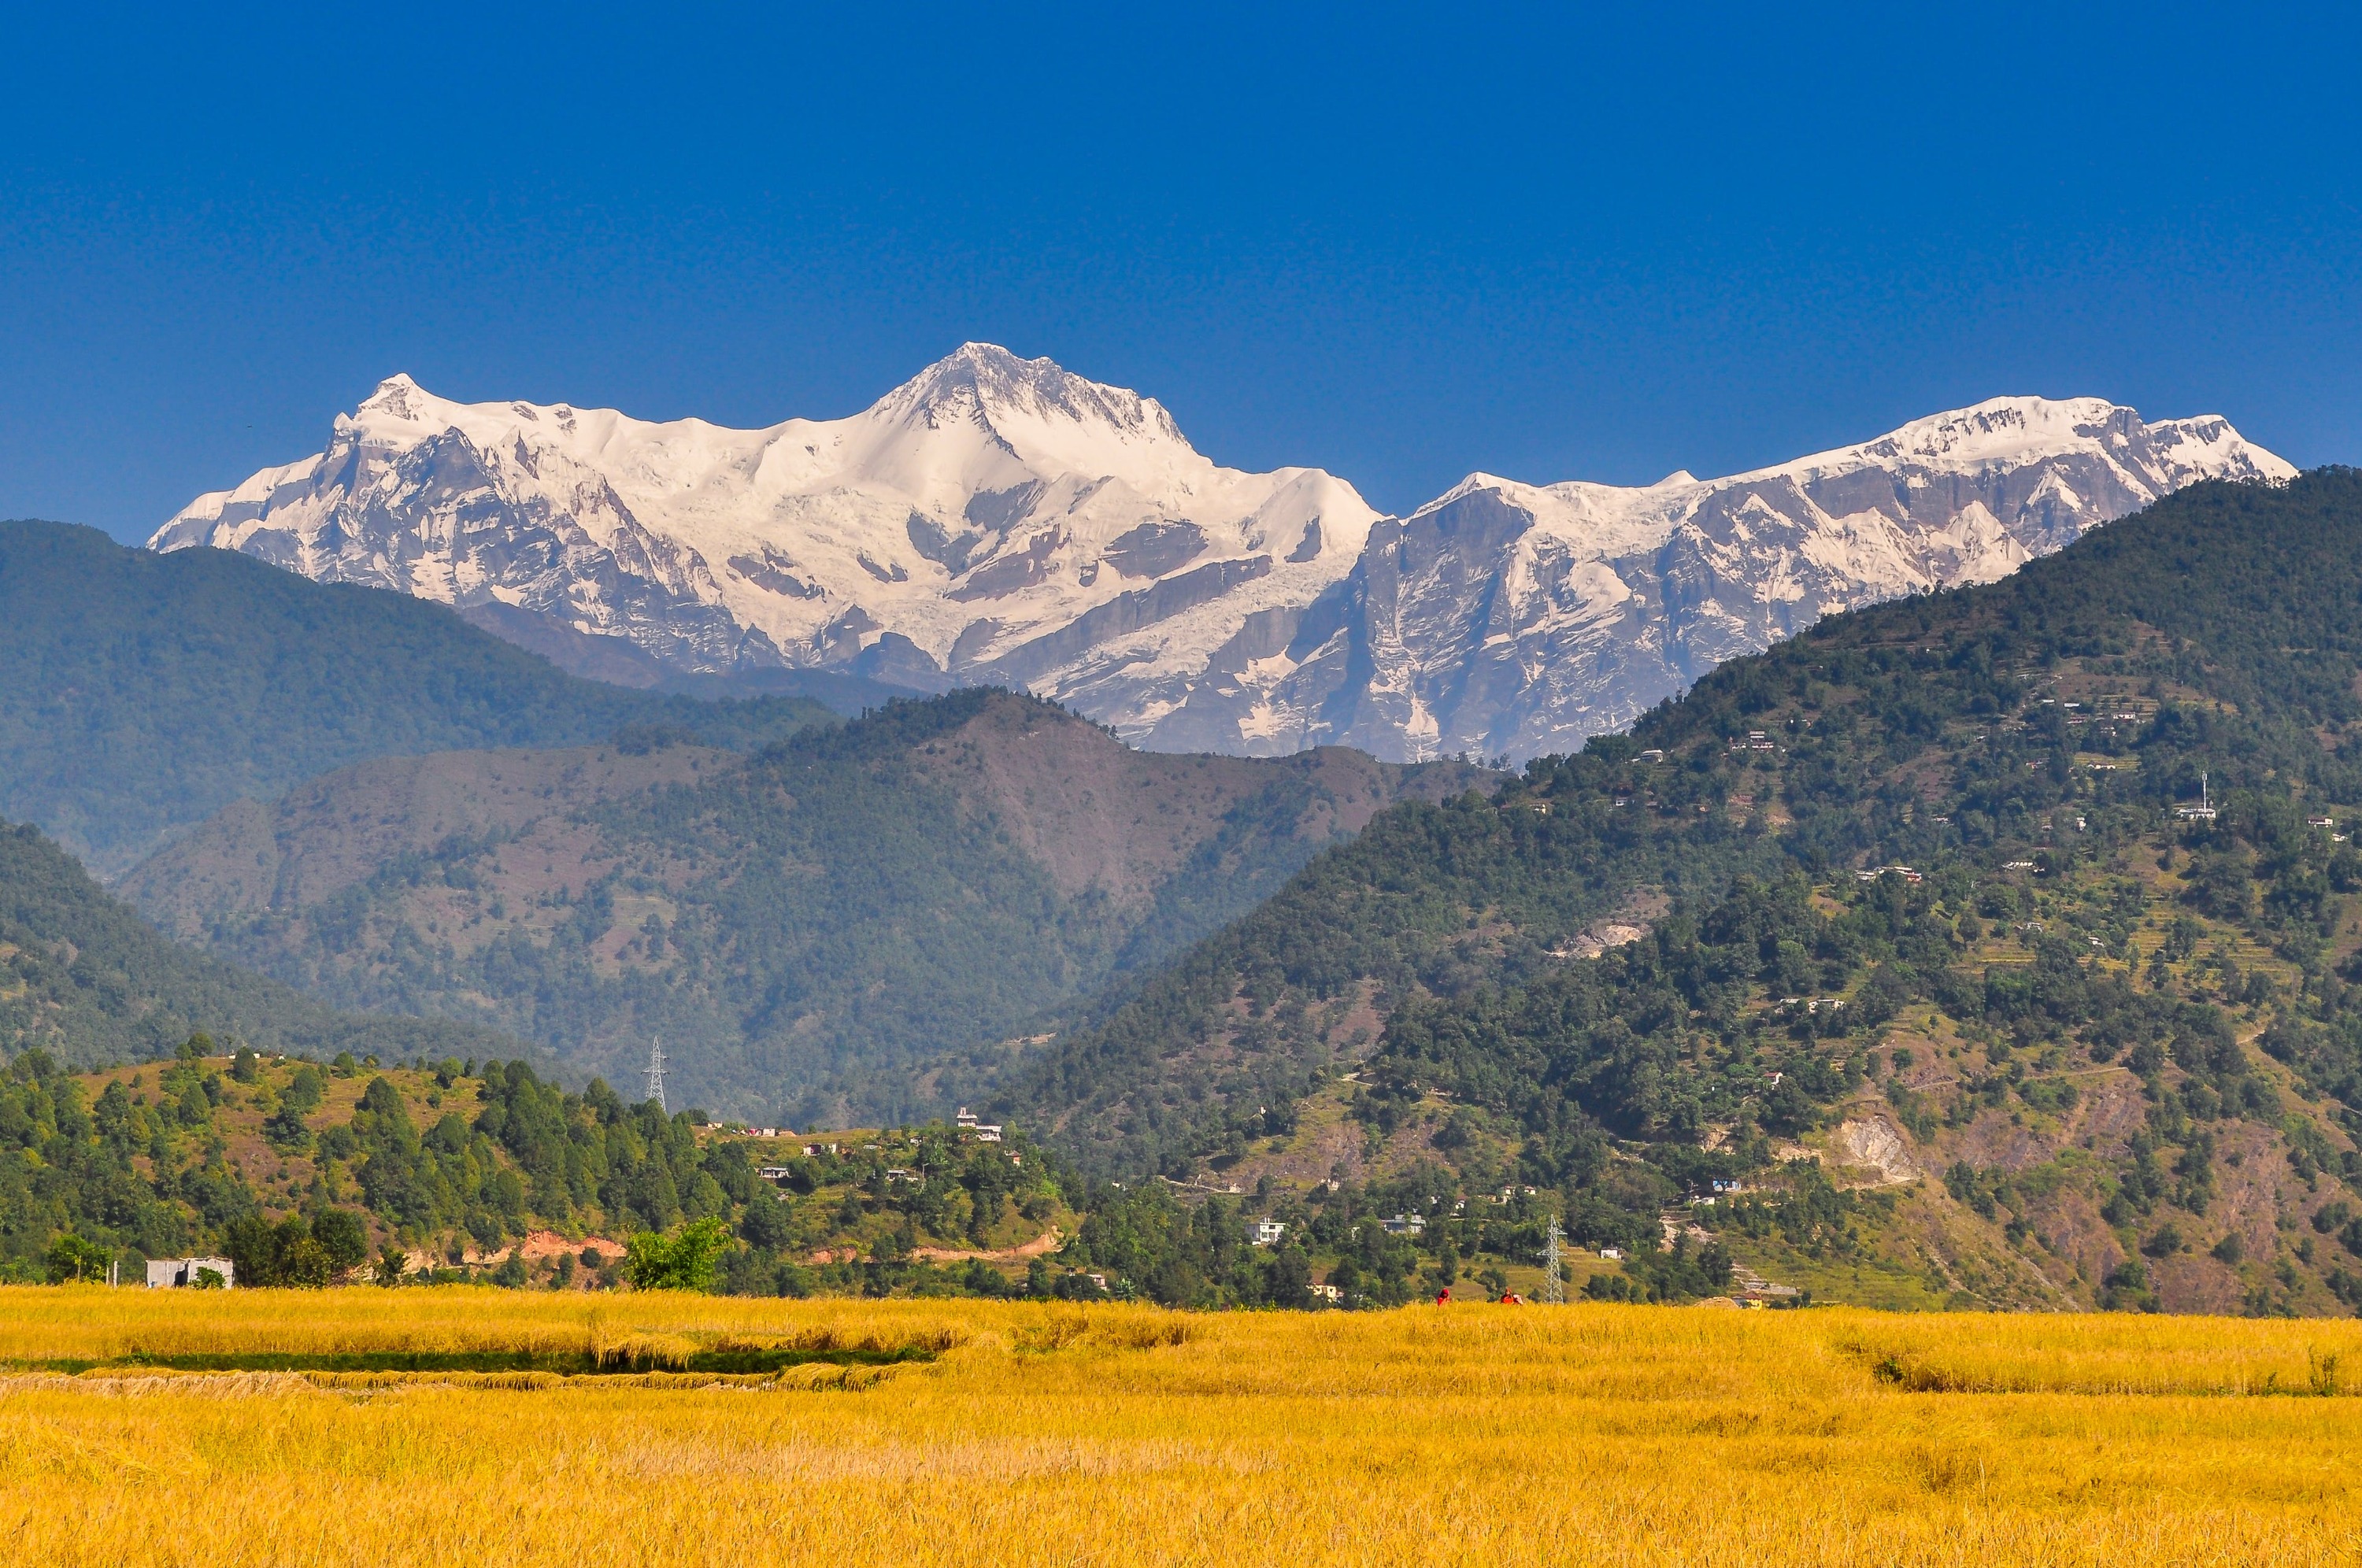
1115, 1434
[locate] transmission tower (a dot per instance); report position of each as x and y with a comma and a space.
1553, 1266
656, 1076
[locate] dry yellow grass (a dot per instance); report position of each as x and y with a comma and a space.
1583, 1434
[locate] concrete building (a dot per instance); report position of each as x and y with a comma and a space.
166, 1273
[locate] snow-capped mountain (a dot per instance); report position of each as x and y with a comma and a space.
995, 520
998, 520
1510, 618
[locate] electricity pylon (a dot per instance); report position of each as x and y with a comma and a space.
1553, 1265
656, 1076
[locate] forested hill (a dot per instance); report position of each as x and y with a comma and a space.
84, 979
853, 924
1657, 961
141, 692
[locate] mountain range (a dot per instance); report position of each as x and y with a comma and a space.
998, 521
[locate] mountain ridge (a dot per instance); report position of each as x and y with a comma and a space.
84, 978
1000, 521
140, 693
809, 929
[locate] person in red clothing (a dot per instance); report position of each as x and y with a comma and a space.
1443, 1297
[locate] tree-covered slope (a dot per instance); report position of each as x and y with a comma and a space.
852, 926
84, 979
2102, 1052
309, 1173
139, 693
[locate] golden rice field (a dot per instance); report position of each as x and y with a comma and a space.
1127, 1435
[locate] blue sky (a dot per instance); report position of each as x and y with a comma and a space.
1399, 243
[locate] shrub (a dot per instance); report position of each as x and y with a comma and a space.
682, 1259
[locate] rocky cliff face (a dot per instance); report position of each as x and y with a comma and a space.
999, 521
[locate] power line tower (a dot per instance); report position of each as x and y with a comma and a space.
1554, 1265
656, 1076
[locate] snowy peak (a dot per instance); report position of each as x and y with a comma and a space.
2001, 429
981, 415
2122, 461
985, 381
992, 516
2006, 432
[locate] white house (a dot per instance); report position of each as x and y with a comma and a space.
167, 1274
985, 1132
1266, 1232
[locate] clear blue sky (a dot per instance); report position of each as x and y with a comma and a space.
1549, 242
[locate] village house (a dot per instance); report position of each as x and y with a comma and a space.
1326, 1292
170, 1273
1266, 1232
984, 1132
1404, 1225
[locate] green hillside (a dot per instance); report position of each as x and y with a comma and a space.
142, 693
2084, 1051
85, 980
857, 925
356, 1173
307, 1172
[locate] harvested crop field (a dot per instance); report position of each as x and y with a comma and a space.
460, 1425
